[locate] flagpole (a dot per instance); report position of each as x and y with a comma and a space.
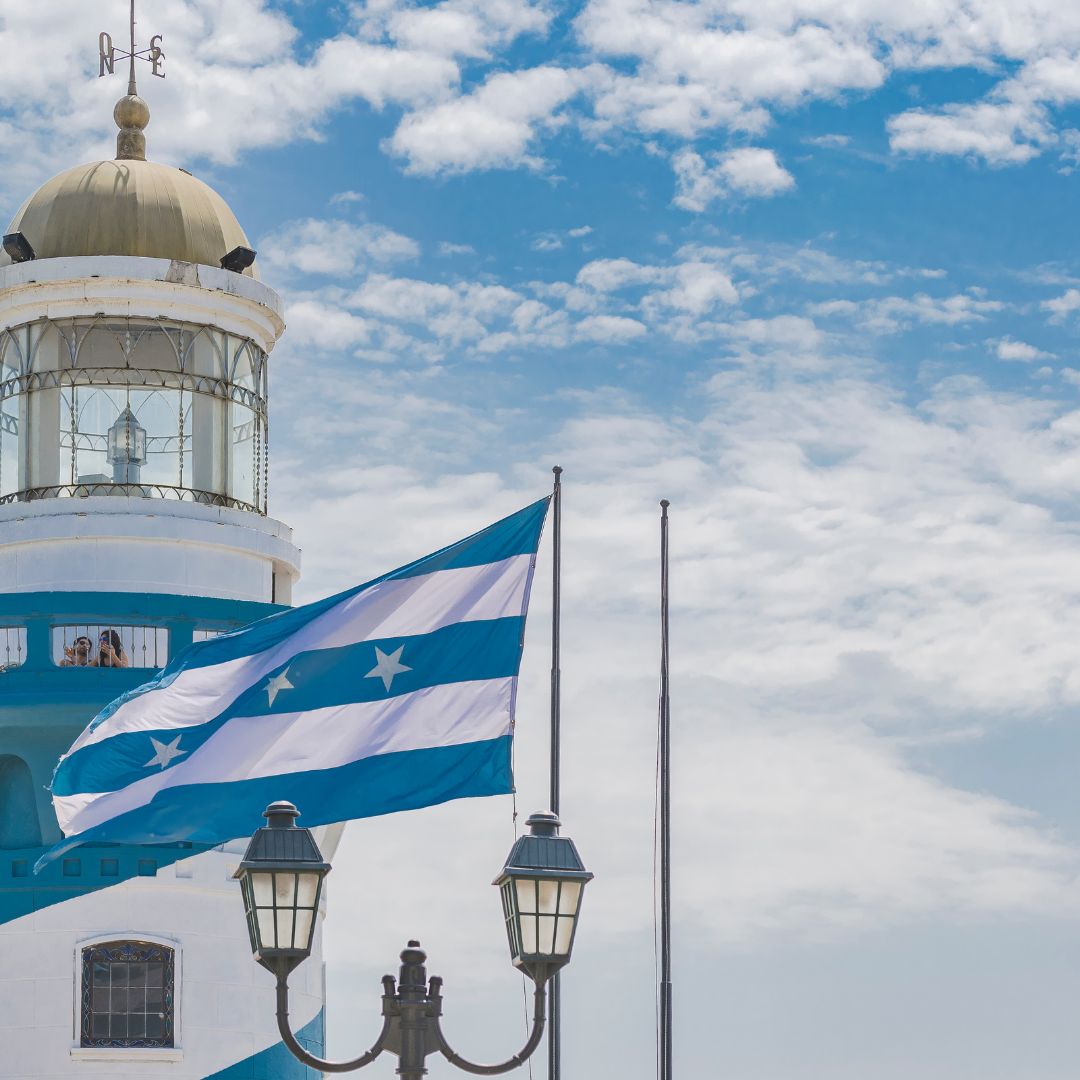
554, 1032
665, 807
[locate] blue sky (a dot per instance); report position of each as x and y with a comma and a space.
804, 267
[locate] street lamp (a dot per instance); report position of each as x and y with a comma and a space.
541, 887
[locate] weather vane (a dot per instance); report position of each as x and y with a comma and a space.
108, 54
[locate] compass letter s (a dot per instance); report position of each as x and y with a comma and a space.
106, 54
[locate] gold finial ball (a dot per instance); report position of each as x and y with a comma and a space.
131, 112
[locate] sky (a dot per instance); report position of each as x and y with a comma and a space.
803, 267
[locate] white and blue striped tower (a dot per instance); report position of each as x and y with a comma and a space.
134, 344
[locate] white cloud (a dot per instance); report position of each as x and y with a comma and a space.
494, 126
613, 329
343, 198
830, 141
609, 275
447, 248
324, 326
340, 248
888, 314
546, 242
578, 233
696, 288
682, 68
751, 171
463, 28
1006, 133
1061, 306
1009, 349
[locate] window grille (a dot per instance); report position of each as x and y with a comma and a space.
206, 635
12, 647
128, 994
95, 645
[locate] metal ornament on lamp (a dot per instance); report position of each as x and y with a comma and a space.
541, 886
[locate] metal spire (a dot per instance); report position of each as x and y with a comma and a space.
131, 114
132, 91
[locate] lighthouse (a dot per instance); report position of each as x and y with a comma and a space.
135, 351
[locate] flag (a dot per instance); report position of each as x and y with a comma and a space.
394, 695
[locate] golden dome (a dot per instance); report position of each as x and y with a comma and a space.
128, 207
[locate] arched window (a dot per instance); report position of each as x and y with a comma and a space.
128, 994
19, 825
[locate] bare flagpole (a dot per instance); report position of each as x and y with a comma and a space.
554, 1033
665, 807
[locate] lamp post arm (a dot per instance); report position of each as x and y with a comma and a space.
518, 1059
310, 1059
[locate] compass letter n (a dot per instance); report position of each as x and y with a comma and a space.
106, 54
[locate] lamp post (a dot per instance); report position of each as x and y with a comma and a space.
541, 886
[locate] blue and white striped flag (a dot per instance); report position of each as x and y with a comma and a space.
396, 694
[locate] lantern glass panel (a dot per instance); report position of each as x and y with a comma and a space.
549, 897
262, 887
547, 934
266, 928
526, 894
528, 934
285, 889
563, 936
303, 927
307, 889
568, 897
285, 921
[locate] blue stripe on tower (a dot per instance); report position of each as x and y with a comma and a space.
276, 1063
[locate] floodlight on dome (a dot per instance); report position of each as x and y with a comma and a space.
238, 260
18, 248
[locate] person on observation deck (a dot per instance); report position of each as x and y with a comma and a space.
78, 654
110, 651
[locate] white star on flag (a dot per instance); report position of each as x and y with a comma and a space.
387, 666
277, 684
165, 753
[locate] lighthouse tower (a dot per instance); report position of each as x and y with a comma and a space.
135, 338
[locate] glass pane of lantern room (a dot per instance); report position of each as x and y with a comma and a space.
158, 412
96, 409
242, 464
209, 443
9, 445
